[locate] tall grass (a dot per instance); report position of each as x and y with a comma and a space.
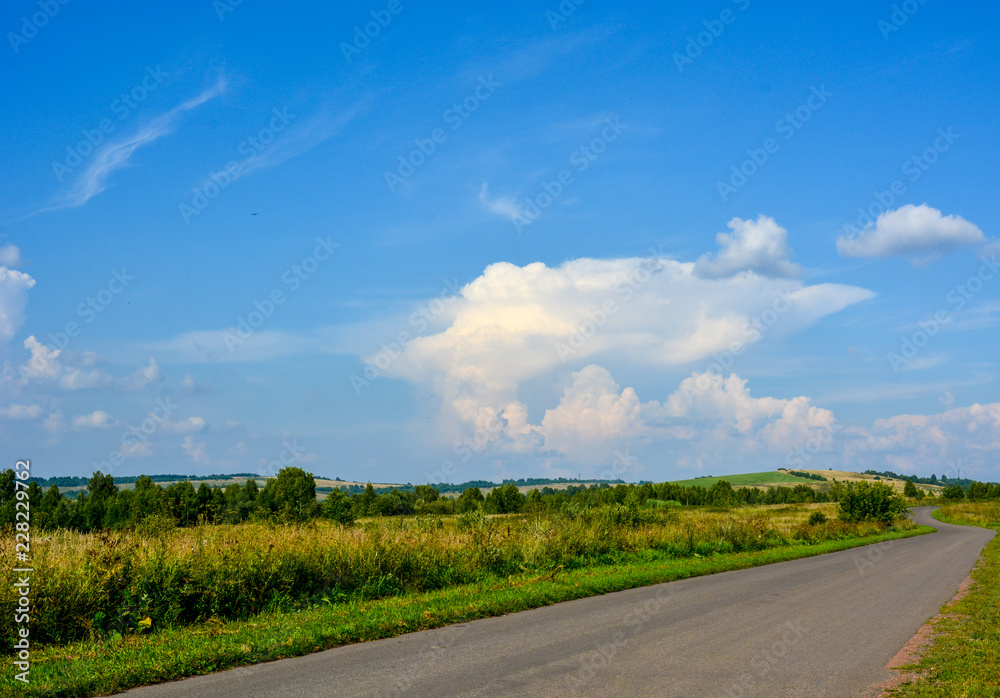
92, 586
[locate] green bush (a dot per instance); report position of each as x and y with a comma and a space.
953, 492
870, 501
472, 520
816, 518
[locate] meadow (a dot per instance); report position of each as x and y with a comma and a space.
772, 477
113, 609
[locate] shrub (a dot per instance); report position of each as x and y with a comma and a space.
472, 520
911, 490
816, 518
870, 501
953, 492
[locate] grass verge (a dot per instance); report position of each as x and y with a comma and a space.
102, 667
964, 658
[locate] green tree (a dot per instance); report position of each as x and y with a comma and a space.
470, 499
148, 499
953, 492
7, 497
182, 503
293, 494
46, 517
426, 493
870, 501
337, 507
978, 490
506, 499
911, 490
102, 492
721, 493
363, 502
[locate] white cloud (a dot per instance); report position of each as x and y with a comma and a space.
759, 246
43, 363
195, 449
54, 423
187, 426
14, 287
920, 233
231, 346
592, 417
133, 448
73, 371
115, 155
506, 206
927, 443
515, 324
10, 256
141, 377
303, 136
98, 419
16, 412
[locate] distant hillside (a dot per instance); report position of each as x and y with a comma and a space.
770, 478
790, 478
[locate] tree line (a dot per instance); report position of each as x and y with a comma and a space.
291, 496
963, 482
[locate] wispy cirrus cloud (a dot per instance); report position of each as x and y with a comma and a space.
117, 154
304, 136
506, 206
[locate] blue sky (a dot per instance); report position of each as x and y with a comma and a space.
410, 241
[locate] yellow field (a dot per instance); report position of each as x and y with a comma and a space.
848, 476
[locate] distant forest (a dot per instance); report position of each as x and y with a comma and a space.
962, 482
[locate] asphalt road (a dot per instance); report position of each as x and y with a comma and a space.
821, 626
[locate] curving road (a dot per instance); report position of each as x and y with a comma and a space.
821, 626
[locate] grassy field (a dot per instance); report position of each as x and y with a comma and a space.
849, 476
777, 478
765, 479
964, 659
124, 609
